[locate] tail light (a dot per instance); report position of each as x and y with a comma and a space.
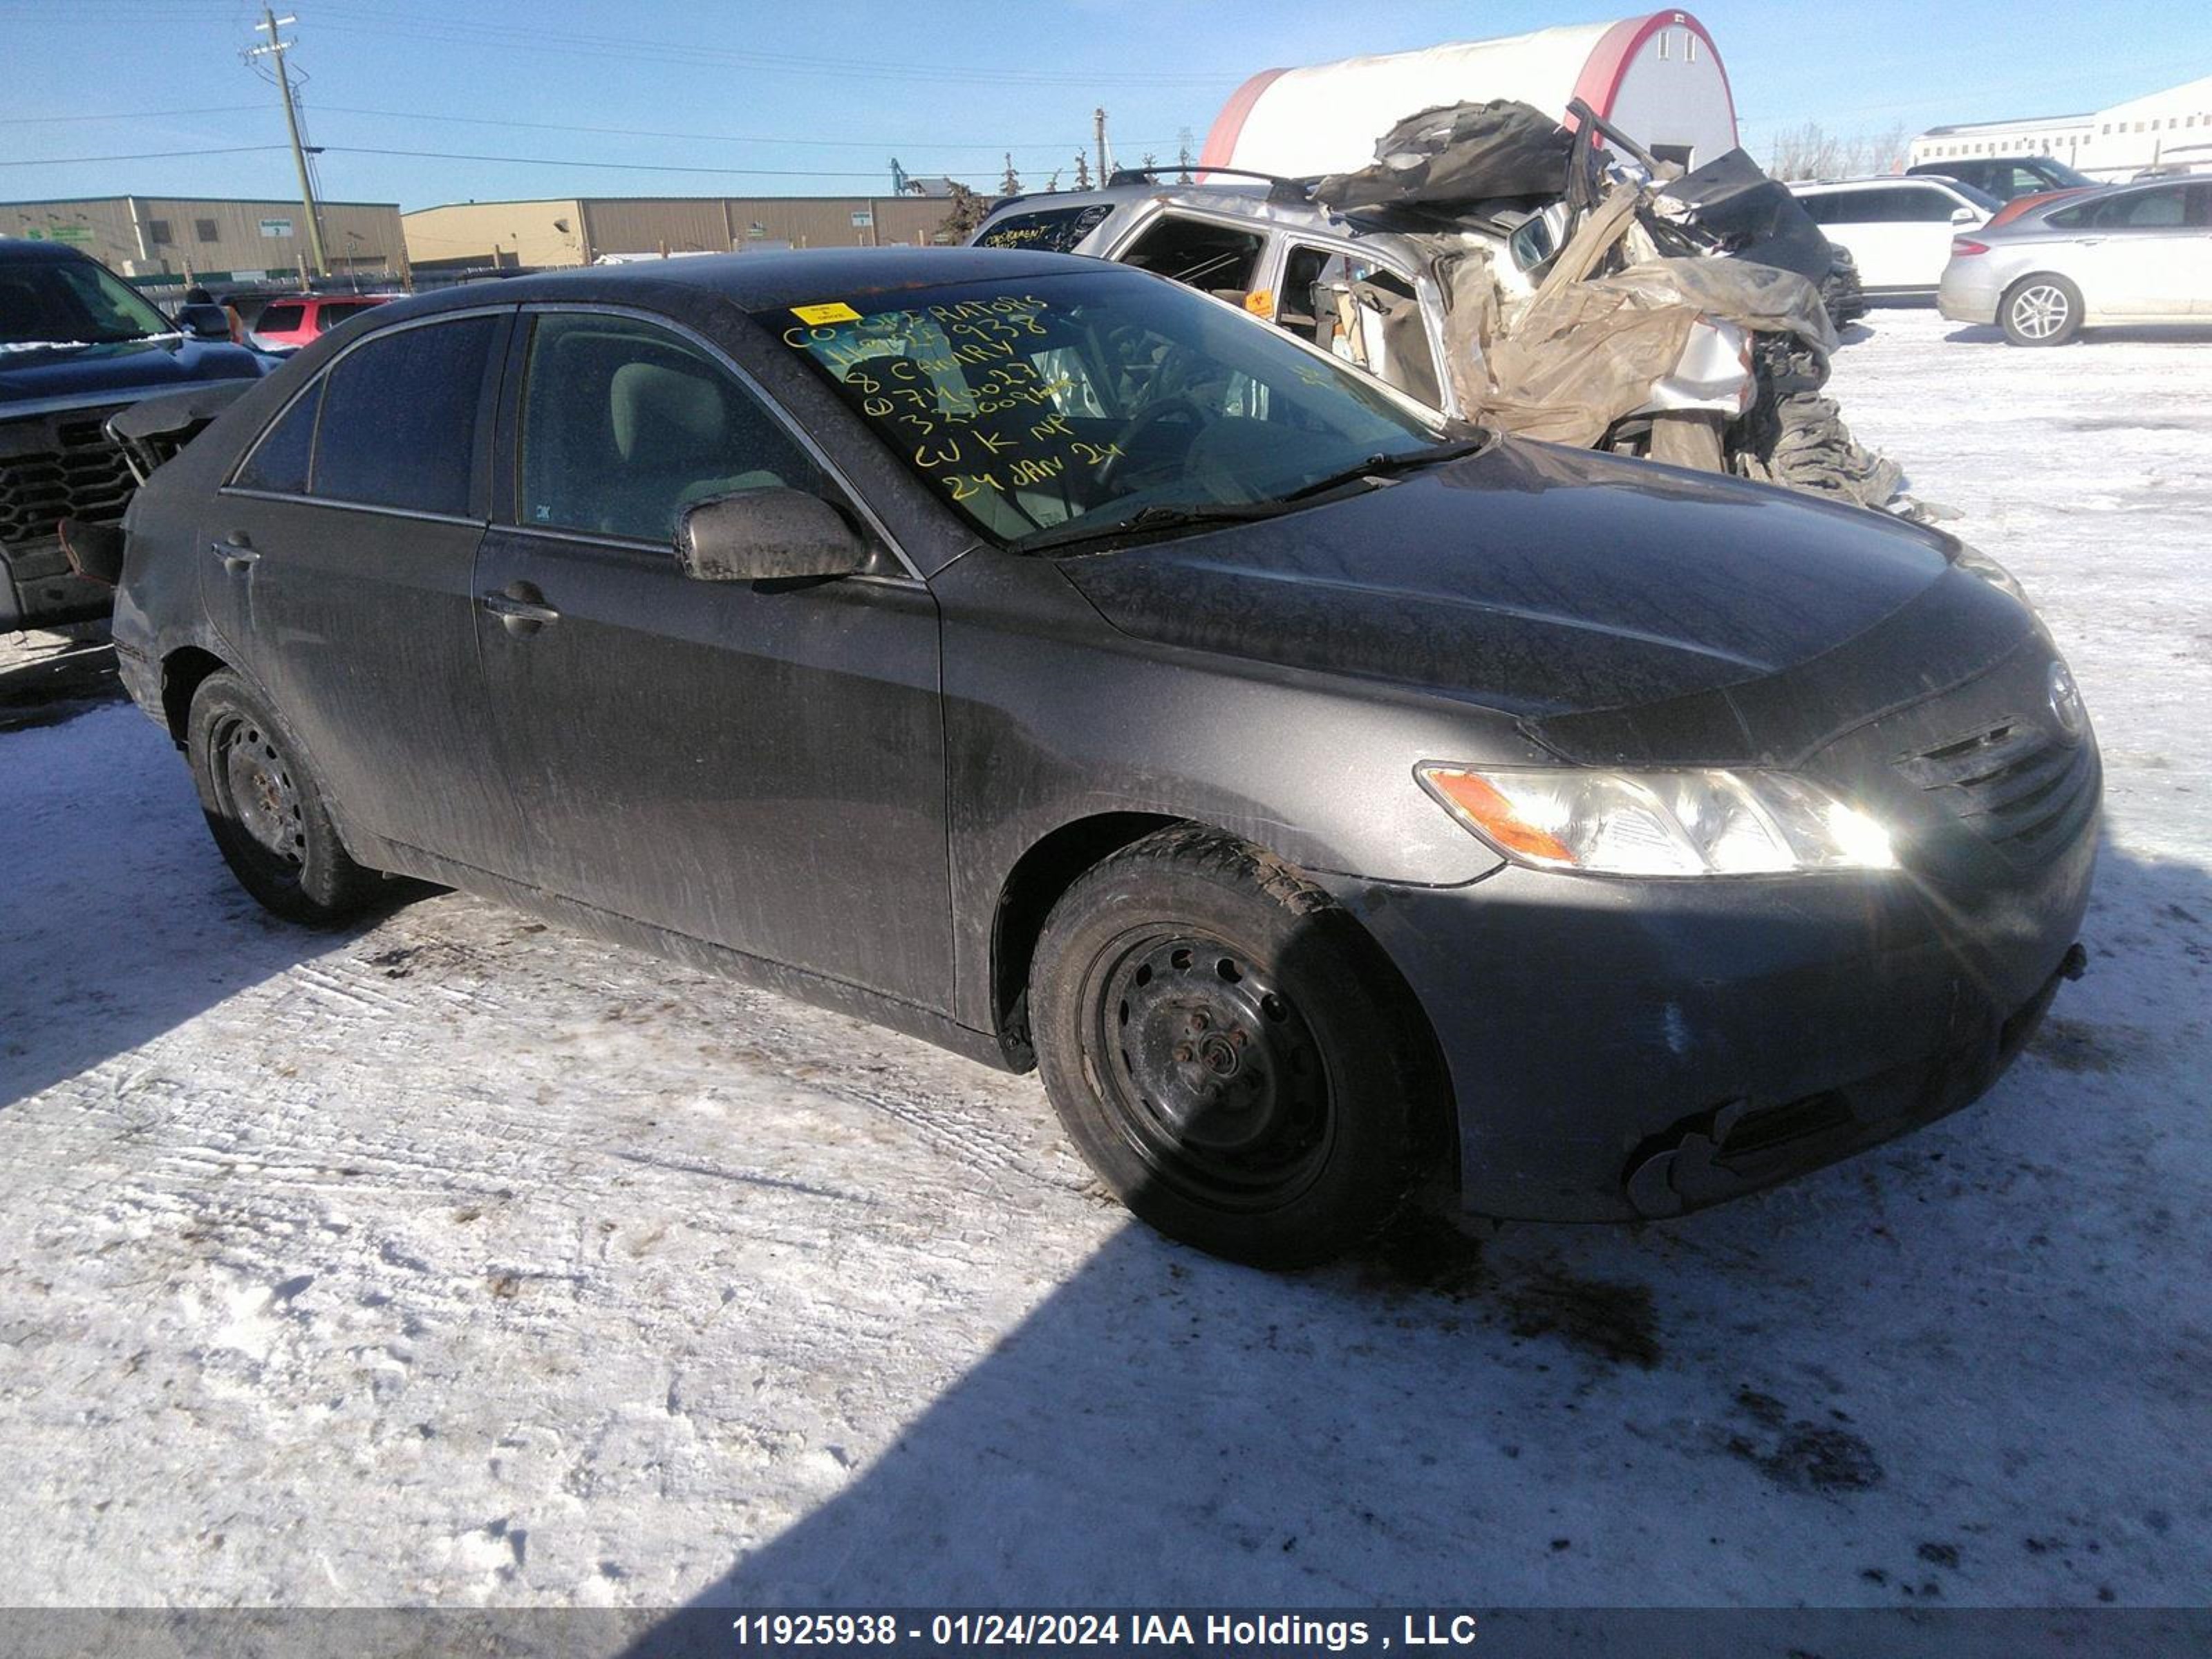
1963, 247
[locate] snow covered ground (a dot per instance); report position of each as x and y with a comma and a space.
456, 1259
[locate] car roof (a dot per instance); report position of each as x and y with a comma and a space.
775, 279
1873, 180
22, 251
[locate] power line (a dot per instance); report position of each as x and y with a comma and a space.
140, 156
418, 28
1054, 144
615, 166
132, 115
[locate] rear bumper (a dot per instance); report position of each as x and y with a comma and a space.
1970, 291
1619, 1049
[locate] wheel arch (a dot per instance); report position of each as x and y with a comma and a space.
1057, 861
183, 671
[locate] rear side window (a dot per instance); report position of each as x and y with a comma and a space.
279, 462
329, 316
280, 319
625, 425
399, 413
1215, 257
1055, 231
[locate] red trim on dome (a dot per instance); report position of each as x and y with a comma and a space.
1220, 150
1599, 83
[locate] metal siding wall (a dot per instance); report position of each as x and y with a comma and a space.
354, 234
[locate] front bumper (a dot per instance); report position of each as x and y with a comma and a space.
38, 589
1625, 1048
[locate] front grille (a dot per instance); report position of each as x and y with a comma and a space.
2016, 785
61, 467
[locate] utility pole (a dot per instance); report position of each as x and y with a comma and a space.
1098, 127
276, 48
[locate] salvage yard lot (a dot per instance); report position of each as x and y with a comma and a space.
456, 1259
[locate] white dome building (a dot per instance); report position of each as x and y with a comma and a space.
1657, 77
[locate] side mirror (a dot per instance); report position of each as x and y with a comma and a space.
767, 535
1965, 216
204, 322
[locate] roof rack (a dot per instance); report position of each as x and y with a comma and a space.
1279, 189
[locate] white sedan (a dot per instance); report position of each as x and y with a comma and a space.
2138, 253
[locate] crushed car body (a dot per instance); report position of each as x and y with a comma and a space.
1505, 269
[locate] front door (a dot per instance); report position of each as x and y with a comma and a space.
340, 565
758, 765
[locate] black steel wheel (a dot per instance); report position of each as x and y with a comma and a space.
265, 810
1209, 1071
1230, 1051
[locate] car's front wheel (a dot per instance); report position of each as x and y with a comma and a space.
1230, 1051
2041, 311
265, 808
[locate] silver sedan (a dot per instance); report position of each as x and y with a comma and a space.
2138, 253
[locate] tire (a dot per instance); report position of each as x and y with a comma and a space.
265, 808
2043, 310
1232, 1054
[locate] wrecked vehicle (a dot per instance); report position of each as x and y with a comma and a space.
1500, 269
1034, 655
77, 344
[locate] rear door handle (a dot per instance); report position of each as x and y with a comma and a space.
521, 609
236, 551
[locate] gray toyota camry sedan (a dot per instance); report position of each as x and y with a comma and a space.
1044, 658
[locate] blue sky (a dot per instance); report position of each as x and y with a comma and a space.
945, 87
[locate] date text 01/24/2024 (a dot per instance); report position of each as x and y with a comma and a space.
1222, 1632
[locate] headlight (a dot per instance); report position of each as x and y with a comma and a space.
1660, 824
1981, 564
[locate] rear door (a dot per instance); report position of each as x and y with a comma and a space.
760, 765
2147, 254
339, 563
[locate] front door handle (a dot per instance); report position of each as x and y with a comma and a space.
236, 551
521, 609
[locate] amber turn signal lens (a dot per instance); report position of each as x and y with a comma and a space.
1494, 815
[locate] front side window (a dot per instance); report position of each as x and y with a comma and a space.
625, 425
399, 418
1083, 399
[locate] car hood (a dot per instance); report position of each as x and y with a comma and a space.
1531, 578
63, 373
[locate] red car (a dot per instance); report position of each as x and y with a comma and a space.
287, 323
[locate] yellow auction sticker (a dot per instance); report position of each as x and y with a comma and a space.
836, 311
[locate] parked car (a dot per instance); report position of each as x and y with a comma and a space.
2005, 177
2133, 254
1044, 658
77, 343
289, 321
1899, 229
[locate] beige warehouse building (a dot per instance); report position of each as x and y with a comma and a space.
213, 238
576, 230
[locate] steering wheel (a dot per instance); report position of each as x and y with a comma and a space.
1180, 403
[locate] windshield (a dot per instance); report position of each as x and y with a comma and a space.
1037, 405
71, 302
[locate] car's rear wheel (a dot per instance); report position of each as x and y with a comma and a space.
1230, 1051
265, 808
2043, 310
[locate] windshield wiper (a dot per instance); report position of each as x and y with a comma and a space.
1159, 516
1384, 466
